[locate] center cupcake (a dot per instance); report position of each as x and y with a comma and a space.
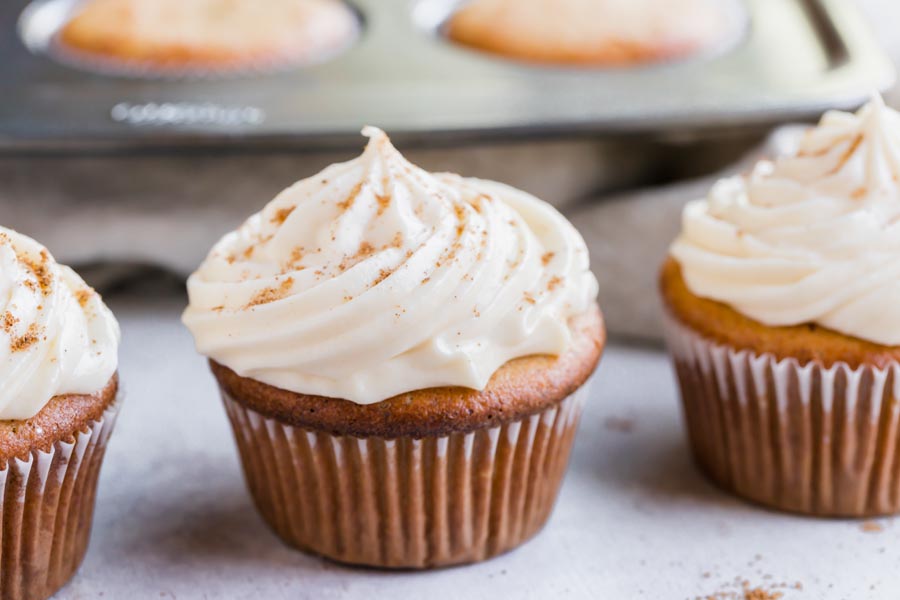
403, 357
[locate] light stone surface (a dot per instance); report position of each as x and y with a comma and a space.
635, 519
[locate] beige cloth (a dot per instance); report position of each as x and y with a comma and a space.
628, 236
168, 210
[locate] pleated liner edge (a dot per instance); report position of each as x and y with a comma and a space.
46, 512
797, 437
407, 502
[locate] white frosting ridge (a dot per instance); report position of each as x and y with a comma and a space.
56, 335
810, 238
375, 278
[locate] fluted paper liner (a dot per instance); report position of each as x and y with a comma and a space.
46, 510
797, 437
406, 502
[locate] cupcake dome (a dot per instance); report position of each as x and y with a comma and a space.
58, 387
591, 32
207, 35
392, 279
377, 324
779, 296
811, 238
56, 335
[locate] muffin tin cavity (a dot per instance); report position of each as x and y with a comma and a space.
534, 38
104, 50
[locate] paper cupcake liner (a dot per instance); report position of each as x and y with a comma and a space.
406, 502
797, 437
46, 510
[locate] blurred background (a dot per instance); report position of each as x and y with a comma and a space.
134, 133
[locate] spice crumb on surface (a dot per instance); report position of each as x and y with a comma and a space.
741, 588
622, 425
871, 527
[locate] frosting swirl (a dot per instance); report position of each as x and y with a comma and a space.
56, 335
375, 278
810, 238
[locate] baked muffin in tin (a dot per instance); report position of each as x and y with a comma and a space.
205, 36
593, 32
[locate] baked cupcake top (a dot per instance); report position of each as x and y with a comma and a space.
598, 32
809, 238
375, 278
210, 33
56, 335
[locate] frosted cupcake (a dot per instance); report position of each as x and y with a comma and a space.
205, 36
403, 356
58, 357
592, 32
783, 322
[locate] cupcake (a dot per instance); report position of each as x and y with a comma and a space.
403, 356
58, 357
780, 300
591, 32
205, 36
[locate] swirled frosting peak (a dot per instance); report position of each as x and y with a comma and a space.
56, 335
375, 278
808, 238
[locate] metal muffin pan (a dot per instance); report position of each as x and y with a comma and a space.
795, 59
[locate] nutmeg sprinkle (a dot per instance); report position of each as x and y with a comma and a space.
84, 296
282, 214
40, 271
23, 342
271, 294
9, 321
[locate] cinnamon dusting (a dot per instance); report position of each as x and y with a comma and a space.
364, 251
41, 271
383, 203
847, 154
296, 258
348, 202
23, 342
282, 214
8, 322
382, 275
271, 294
84, 296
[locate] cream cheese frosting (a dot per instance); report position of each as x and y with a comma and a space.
375, 278
808, 238
56, 335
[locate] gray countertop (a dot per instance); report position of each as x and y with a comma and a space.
635, 519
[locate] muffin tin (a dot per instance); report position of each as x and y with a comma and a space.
794, 59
